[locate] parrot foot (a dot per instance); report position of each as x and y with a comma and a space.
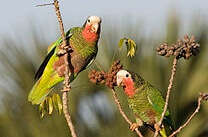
63, 51
134, 126
66, 88
157, 127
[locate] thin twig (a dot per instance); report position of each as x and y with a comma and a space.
47, 4
173, 72
202, 96
122, 112
66, 88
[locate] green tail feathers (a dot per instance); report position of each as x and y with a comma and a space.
34, 96
163, 132
166, 131
42, 88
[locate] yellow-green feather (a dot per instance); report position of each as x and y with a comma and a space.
42, 87
163, 132
49, 77
148, 104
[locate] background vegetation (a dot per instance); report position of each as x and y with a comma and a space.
93, 111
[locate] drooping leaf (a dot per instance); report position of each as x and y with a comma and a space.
60, 107
55, 104
120, 44
130, 45
42, 109
132, 48
50, 105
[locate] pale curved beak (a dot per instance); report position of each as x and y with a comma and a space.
119, 81
95, 27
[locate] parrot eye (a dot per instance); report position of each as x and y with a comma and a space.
88, 20
127, 75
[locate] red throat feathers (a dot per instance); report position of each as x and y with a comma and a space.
129, 87
88, 35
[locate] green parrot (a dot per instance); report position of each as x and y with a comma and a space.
83, 41
145, 101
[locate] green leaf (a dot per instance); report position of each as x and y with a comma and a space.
50, 105
42, 109
130, 45
120, 44
132, 48
55, 104
60, 107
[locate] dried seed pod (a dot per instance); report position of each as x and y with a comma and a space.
108, 79
182, 48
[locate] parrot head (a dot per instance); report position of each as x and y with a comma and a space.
124, 79
91, 29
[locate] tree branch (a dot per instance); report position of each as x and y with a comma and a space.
202, 96
67, 115
122, 112
173, 72
66, 88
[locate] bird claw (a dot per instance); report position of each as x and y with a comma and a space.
64, 50
66, 88
134, 126
157, 127
61, 52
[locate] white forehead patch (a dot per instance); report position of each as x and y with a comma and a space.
94, 19
122, 73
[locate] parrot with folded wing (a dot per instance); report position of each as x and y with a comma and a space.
84, 47
145, 101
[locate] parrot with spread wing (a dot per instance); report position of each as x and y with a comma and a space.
84, 47
145, 101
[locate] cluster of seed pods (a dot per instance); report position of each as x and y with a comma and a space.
106, 78
182, 48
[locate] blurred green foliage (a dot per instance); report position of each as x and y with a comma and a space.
18, 118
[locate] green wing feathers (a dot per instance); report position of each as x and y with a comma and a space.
156, 100
158, 103
47, 81
46, 75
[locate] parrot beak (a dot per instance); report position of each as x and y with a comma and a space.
95, 27
119, 81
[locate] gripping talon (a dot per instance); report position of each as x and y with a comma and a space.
157, 127
134, 126
61, 52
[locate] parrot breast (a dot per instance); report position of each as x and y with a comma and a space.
59, 66
88, 35
129, 87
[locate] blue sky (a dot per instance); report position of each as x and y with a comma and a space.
17, 16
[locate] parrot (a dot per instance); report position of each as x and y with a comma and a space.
145, 101
84, 47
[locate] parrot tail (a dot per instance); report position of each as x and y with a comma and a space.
42, 88
163, 132
37, 94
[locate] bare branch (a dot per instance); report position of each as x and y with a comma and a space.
67, 115
122, 112
66, 88
173, 72
202, 96
47, 4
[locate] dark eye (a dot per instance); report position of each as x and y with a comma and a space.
127, 75
88, 20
